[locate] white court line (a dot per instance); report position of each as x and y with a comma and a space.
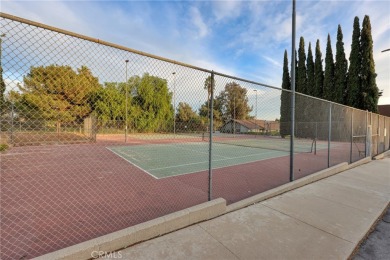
178, 146
215, 168
132, 163
26, 153
226, 158
198, 151
175, 166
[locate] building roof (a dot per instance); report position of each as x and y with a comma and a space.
384, 110
250, 124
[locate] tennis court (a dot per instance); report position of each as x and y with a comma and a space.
166, 160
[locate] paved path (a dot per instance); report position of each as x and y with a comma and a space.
377, 245
323, 220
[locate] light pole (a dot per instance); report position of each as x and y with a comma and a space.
386, 50
126, 89
174, 103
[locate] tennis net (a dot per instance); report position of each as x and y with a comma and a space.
264, 142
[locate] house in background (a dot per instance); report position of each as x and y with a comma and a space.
384, 110
250, 126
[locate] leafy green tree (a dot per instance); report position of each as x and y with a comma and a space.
151, 103
310, 73
318, 73
341, 69
301, 83
235, 102
57, 93
185, 112
369, 89
285, 110
329, 72
208, 86
3, 103
187, 120
353, 96
217, 113
108, 103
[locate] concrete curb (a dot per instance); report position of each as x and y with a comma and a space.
382, 155
296, 184
288, 187
141, 232
360, 162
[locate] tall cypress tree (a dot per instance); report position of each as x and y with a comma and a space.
341, 69
353, 95
310, 87
285, 111
2, 83
296, 69
329, 73
302, 76
369, 89
286, 83
318, 73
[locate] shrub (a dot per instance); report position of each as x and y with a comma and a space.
3, 147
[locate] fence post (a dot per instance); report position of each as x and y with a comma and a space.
366, 138
292, 94
329, 131
211, 135
12, 123
385, 133
350, 155
315, 139
377, 137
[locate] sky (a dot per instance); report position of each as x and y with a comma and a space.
245, 39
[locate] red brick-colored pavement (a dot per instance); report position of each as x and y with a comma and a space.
60, 195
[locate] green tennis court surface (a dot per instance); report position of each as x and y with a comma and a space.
166, 160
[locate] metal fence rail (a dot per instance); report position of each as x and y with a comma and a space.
102, 137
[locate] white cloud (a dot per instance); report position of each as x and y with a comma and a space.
273, 61
226, 9
253, 45
47, 12
200, 25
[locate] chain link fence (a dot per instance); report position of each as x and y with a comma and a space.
102, 137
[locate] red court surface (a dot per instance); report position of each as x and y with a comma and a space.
56, 196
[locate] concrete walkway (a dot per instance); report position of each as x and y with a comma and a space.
323, 220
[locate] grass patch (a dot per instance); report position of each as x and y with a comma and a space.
3, 147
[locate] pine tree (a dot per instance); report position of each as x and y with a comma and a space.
329, 73
302, 76
341, 69
285, 111
353, 95
296, 69
318, 73
369, 89
3, 103
310, 73
286, 83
